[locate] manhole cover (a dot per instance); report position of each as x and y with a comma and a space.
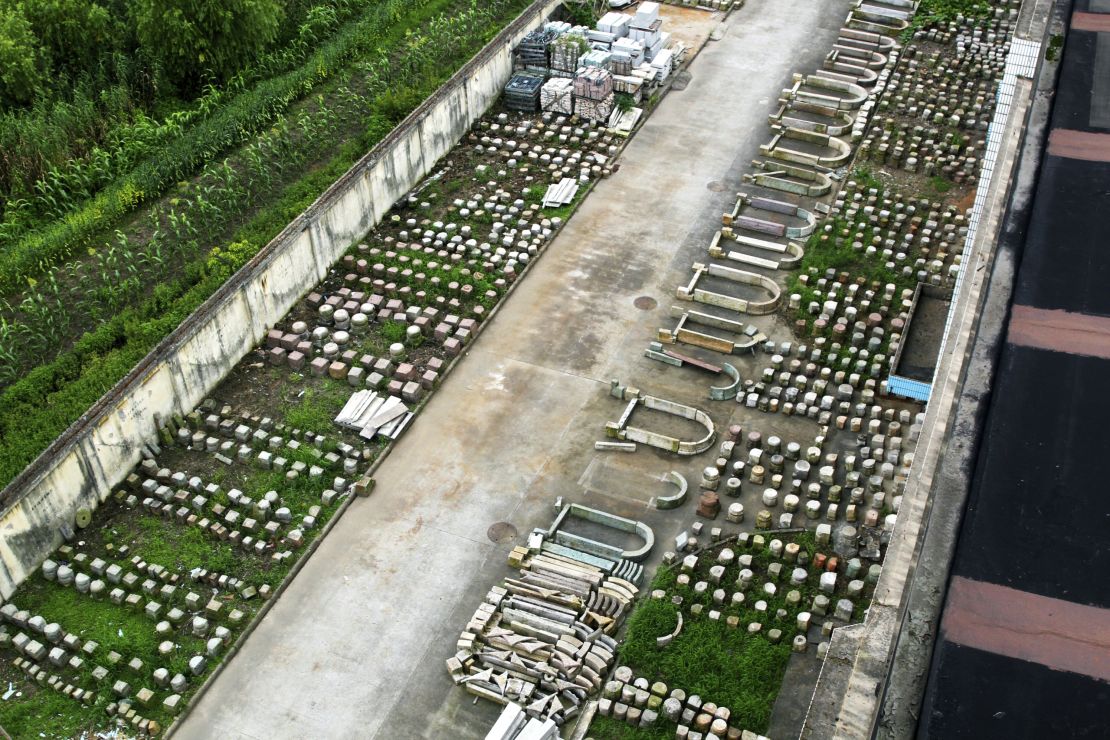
716, 186
501, 532
645, 303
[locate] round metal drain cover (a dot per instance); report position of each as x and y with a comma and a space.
716, 186
501, 532
645, 303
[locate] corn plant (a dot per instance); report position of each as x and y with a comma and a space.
9, 359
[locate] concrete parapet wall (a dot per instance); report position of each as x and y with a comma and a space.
80, 468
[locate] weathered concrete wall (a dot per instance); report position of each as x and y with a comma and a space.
80, 468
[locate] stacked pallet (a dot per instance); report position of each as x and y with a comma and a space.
544, 639
620, 64
593, 94
532, 51
629, 85
593, 83
599, 59
663, 63
558, 27
615, 24
522, 93
557, 95
645, 27
594, 110
631, 48
566, 51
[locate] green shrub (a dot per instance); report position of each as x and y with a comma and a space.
195, 39
23, 68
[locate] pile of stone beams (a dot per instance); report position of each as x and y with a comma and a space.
543, 639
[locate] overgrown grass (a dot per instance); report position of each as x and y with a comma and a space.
112, 627
833, 249
607, 728
1055, 44
177, 547
41, 711
933, 12
722, 664
939, 184
316, 409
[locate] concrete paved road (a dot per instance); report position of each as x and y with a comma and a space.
355, 648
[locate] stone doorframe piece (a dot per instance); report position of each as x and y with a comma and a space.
682, 333
842, 150
843, 120
842, 95
792, 250
735, 218
779, 175
691, 291
604, 518
621, 430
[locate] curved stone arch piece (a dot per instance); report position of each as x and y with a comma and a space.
675, 499
876, 19
856, 67
726, 392
861, 54
623, 431
664, 640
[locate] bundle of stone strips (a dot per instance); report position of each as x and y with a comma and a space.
543, 640
369, 414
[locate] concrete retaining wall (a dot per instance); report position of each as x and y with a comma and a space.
80, 468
